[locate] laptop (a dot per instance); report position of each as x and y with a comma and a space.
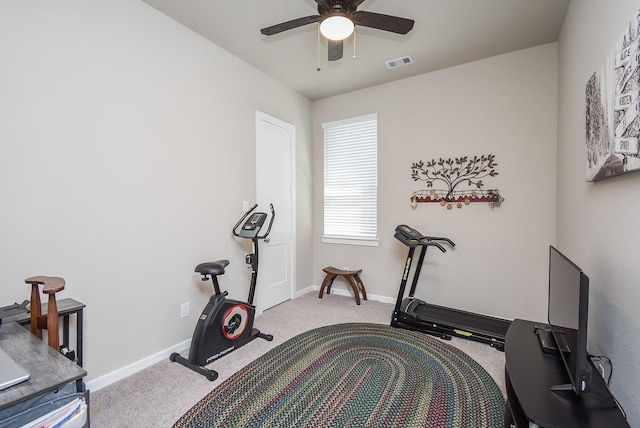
10, 371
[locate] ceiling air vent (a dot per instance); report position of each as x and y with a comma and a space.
399, 62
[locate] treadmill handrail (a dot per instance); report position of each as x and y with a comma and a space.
421, 243
447, 240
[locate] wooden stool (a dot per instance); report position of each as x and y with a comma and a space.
49, 321
351, 276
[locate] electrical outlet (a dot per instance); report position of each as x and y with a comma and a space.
184, 310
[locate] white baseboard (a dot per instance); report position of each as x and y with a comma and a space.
304, 291
119, 374
345, 292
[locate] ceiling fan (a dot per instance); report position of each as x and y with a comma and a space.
337, 21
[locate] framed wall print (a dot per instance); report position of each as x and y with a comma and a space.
613, 113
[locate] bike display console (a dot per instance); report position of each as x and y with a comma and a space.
415, 314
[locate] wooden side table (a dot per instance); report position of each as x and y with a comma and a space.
351, 276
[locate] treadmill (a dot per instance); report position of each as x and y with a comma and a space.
414, 314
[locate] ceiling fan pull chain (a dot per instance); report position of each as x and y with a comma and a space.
318, 50
354, 45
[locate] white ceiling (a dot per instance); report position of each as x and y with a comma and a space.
446, 33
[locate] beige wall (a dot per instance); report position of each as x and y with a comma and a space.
123, 134
127, 148
596, 221
504, 106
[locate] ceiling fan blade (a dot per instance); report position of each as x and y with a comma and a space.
324, 3
290, 25
335, 50
355, 3
379, 21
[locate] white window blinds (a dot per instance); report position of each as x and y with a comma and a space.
351, 180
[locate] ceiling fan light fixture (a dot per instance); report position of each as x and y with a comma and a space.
336, 27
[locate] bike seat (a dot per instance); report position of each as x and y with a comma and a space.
212, 268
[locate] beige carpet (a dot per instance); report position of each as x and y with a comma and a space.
159, 395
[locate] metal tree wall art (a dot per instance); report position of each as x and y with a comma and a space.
455, 181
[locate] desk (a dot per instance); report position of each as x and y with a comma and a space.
49, 369
530, 373
66, 307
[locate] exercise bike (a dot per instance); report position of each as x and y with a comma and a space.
225, 324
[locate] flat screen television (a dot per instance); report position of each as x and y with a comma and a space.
568, 315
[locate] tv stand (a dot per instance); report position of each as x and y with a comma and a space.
530, 373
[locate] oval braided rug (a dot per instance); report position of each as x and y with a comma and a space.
355, 375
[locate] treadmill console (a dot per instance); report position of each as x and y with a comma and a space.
408, 233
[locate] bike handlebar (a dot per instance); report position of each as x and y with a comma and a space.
273, 216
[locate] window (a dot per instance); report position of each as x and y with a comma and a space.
351, 181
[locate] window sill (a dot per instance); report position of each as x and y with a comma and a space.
350, 241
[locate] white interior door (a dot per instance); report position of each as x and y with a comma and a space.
275, 185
